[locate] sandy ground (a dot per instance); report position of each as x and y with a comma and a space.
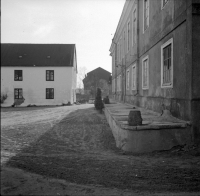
50, 151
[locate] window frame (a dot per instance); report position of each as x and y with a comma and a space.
18, 93
146, 58
120, 49
144, 9
128, 35
134, 32
134, 78
50, 75
120, 78
117, 84
118, 52
15, 73
167, 85
113, 86
127, 79
124, 44
49, 93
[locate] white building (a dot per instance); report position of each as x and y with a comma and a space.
42, 74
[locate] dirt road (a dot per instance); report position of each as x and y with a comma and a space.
47, 152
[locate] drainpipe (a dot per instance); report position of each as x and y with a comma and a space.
125, 78
115, 51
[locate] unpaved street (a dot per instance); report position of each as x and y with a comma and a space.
21, 126
45, 151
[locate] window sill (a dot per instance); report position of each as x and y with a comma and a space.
166, 86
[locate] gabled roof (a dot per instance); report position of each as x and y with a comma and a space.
97, 70
37, 54
98, 73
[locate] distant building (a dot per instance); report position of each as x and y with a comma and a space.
93, 80
155, 57
42, 74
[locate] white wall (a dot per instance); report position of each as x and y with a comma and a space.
34, 85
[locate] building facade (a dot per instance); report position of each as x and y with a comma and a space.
97, 78
155, 58
41, 74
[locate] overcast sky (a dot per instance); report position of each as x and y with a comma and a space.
90, 24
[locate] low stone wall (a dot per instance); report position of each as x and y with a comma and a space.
138, 140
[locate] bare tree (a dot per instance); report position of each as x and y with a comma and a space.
103, 84
80, 76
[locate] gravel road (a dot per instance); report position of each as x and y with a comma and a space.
70, 150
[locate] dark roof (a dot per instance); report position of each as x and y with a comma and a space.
97, 74
99, 69
37, 54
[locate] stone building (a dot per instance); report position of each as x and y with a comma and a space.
155, 58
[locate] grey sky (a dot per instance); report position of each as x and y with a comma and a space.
86, 23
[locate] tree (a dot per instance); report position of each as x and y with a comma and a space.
80, 76
103, 84
98, 100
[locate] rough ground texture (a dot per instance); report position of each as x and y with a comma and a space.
52, 153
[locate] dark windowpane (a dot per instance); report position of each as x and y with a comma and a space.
50, 75
167, 64
47, 75
18, 93
18, 75
49, 93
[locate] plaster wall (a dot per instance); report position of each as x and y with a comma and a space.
165, 23
34, 85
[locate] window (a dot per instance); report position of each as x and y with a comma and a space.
18, 93
113, 62
127, 79
124, 46
128, 36
145, 73
167, 64
163, 3
49, 75
49, 93
118, 52
146, 15
18, 75
113, 86
134, 77
134, 26
120, 79
120, 55
117, 84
